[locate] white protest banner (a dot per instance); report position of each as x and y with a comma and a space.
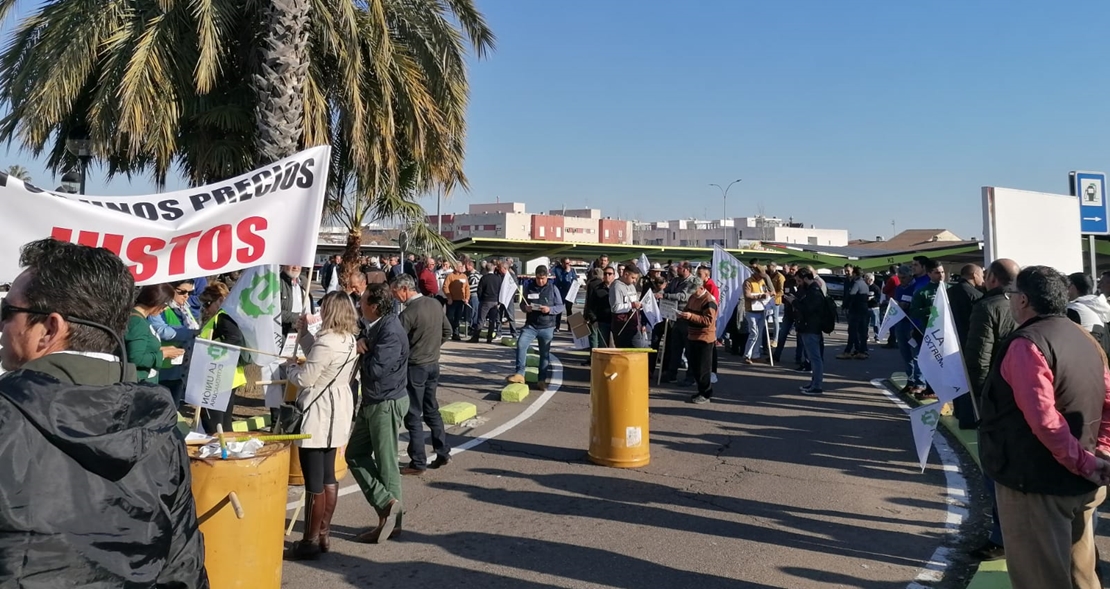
894, 314
508, 291
274, 394
924, 420
572, 292
650, 309
940, 358
211, 375
729, 274
255, 305
269, 216
645, 266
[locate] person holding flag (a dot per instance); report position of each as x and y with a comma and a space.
218, 326
700, 313
921, 309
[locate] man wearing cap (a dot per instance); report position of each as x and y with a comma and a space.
542, 303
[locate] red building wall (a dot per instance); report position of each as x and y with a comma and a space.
618, 231
547, 227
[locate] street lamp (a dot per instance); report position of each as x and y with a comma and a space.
71, 182
82, 148
724, 197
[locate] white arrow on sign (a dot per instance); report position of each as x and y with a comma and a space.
1095, 219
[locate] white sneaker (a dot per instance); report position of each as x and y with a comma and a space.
713, 378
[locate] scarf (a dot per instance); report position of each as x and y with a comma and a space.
186, 315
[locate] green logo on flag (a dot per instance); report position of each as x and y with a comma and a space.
217, 353
260, 297
930, 417
726, 271
934, 315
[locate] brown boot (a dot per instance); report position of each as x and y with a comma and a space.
331, 497
308, 548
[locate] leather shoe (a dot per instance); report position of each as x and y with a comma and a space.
412, 471
440, 461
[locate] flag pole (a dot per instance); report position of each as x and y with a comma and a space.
244, 349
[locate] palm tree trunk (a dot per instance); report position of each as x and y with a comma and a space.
352, 252
281, 78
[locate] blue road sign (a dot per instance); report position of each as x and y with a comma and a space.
1094, 212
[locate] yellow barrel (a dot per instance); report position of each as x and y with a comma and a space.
243, 550
619, 408
296, 476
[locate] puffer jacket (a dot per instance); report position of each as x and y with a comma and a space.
1092, 310
98, 494
991, 323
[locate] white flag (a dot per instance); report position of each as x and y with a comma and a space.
924, 420
729, 274
645, 265
650, 309
255, 305
211, 375
940, 358
894, 314
508, 291
274, 393
572, 292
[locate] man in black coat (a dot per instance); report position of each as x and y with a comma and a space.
962, 296
97, 494
372, 451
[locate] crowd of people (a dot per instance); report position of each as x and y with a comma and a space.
1034, 342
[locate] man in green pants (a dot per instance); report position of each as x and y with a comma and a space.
372, 451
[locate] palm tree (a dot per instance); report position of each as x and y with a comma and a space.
214, 87
19, 172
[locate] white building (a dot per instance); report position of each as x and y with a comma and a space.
734, 233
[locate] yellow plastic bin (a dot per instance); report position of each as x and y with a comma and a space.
619, 408
241, 508
296, 476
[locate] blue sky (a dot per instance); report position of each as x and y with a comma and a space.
846, 114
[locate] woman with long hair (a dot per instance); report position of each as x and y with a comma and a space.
144, 349
176, 326
325, 397
218, 326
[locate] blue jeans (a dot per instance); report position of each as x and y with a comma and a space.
527, 336
876, 320
904, 331
757, 331
812, 344
456, 311
472, 312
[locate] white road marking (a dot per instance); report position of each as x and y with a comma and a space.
956, 498
553, 386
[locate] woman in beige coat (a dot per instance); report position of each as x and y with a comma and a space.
325, 396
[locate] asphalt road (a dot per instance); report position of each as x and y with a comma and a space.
762, 488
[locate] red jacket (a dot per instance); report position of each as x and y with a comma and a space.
889, 286
713, 290
426, 282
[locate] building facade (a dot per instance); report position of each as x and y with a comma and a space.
511, 221
734, 233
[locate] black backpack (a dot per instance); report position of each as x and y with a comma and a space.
828, 315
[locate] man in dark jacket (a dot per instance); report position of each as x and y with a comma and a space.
991, 323
1044, 435
372, 450
295, 298
489, 305
599, 313
809, 307
961, 298
98, 494
427, 328
542, 304
678, 291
